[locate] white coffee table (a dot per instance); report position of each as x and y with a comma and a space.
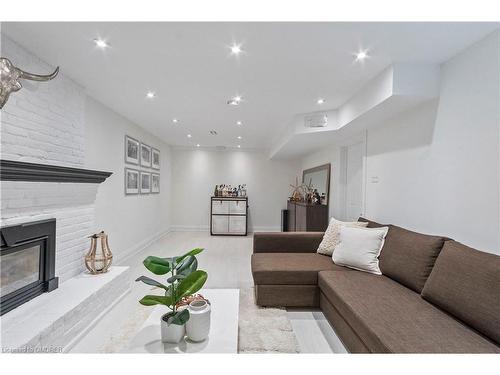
223, 337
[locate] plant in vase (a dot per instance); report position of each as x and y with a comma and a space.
184, 279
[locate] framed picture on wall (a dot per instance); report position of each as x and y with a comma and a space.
155, 183
145, 155
131, 150
155, 158
145, 186
131, 181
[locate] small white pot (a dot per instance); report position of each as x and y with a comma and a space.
172, 333
198, 325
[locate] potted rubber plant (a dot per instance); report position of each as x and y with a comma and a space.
183, 279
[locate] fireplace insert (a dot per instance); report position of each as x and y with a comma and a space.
27, 262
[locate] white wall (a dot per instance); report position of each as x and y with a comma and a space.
57, 123
131, 221
196, 172
438, 165
400, 184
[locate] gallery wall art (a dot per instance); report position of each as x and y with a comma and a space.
139, 179
145, 186
145, 155
155, 158
155, 183
131, 150
131, 181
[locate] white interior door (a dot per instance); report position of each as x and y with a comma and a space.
354, 181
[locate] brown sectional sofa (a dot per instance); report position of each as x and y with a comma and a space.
435, 295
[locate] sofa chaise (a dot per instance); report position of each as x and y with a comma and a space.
436, 295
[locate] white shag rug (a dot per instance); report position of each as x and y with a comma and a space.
119, 339
264, 329
260, 329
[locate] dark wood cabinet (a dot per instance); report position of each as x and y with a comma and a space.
303, 217
291, 217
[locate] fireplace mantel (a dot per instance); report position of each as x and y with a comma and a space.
11, 170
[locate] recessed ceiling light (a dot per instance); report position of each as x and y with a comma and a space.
239, 137
235, 49
197, 145
189, 135
101, 43
236, 100
361, 55
150, 95
175, 120
239, 146
320, 101
239, 123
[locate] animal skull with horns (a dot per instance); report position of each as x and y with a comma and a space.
10, 76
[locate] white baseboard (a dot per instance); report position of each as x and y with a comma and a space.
122, 257
266, 229
190, 228
206, 228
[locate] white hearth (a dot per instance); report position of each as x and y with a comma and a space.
55, 321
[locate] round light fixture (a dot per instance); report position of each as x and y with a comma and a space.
239, 146
101, 43
150, 95
235, 49
175, 120
197, 145
235, 100
320, 101
361, 55
239, 123
189, 135
239, 137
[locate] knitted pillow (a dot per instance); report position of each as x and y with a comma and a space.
331, 237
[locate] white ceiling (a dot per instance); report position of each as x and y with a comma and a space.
285, 67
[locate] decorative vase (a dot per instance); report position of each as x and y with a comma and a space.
198, 325
98, 261
172, 333
185, 301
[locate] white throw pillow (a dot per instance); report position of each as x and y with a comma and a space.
359, 248
331, 236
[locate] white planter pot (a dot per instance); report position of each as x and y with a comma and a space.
172, 333
198, 325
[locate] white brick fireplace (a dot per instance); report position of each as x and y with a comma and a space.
55, 321
71, 204
44, 123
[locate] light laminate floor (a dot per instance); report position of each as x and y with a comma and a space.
227, 261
